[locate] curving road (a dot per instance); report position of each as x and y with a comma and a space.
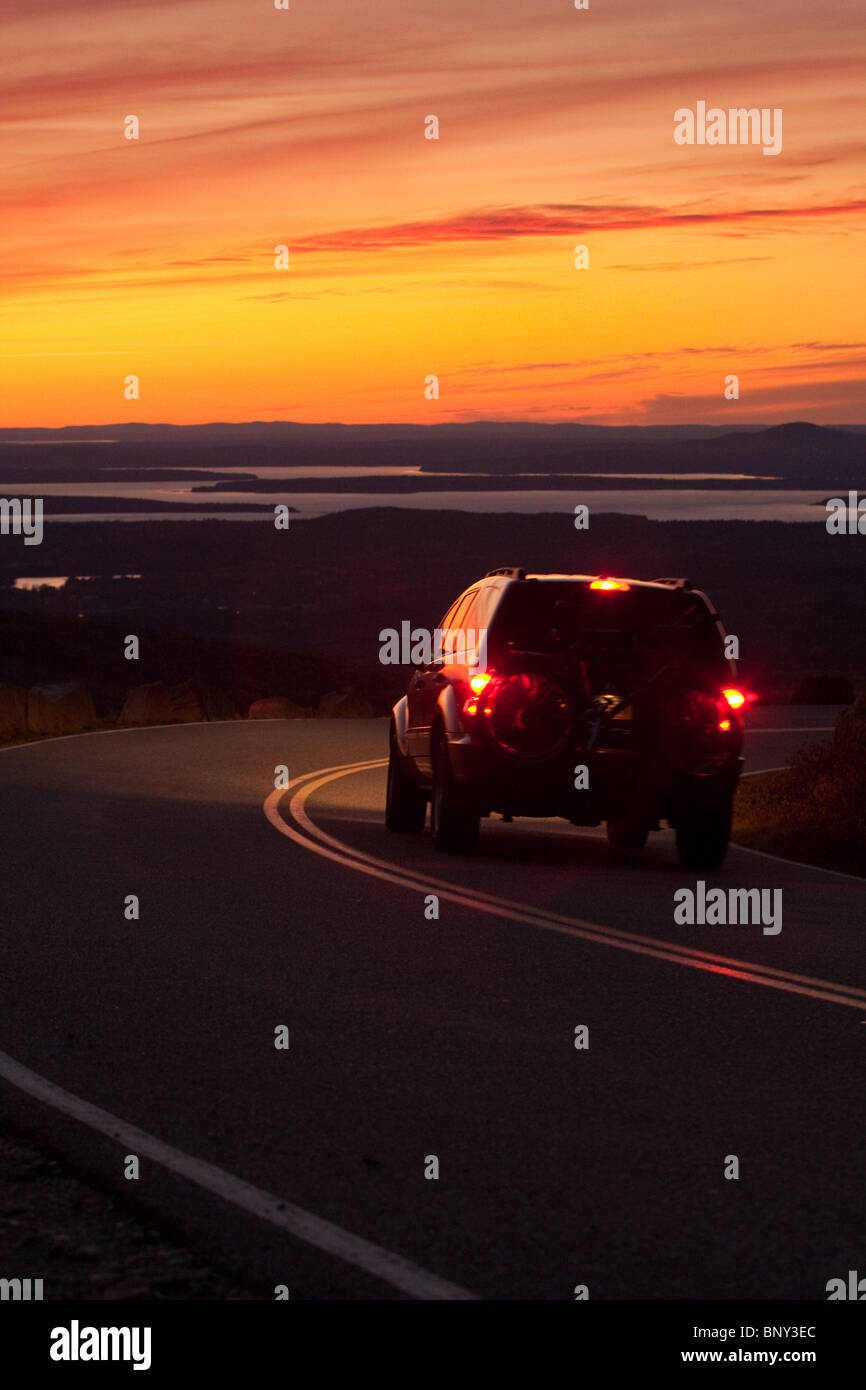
412, 1037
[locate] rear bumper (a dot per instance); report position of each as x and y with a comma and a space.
546, 787
538, 787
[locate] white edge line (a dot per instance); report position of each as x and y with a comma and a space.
313, 1230
38, 739
762, 771
203, 723
796, 864
304, 1225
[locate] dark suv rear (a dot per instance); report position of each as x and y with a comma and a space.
591, 698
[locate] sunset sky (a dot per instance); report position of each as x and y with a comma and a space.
408, 256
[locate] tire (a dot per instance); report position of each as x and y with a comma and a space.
454, 821
405, 804
704, 826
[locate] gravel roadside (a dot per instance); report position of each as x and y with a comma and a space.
84, 1245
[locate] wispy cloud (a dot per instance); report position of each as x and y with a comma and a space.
557, 219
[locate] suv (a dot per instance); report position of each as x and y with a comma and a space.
580, 696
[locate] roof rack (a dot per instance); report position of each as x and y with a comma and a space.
675, 583
509, 572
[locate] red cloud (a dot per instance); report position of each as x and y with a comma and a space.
500, 224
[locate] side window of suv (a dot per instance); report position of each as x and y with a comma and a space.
477, 621
454, 625
484, 608
441, 640
448, 620
469, 642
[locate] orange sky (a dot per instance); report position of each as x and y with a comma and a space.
408, 256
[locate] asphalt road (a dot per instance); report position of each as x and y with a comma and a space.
412, 1037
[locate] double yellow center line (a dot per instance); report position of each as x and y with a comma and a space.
303, 831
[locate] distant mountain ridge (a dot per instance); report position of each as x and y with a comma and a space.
256, 430
797, 453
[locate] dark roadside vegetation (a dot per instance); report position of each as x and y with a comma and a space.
815, 811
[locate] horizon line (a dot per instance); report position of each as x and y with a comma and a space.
750, 425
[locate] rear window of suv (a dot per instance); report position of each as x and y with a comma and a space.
639, 627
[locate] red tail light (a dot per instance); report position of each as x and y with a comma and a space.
705, 731
477, 684
735, 698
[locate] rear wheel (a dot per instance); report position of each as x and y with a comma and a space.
704, 825
405, 805
454, 821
